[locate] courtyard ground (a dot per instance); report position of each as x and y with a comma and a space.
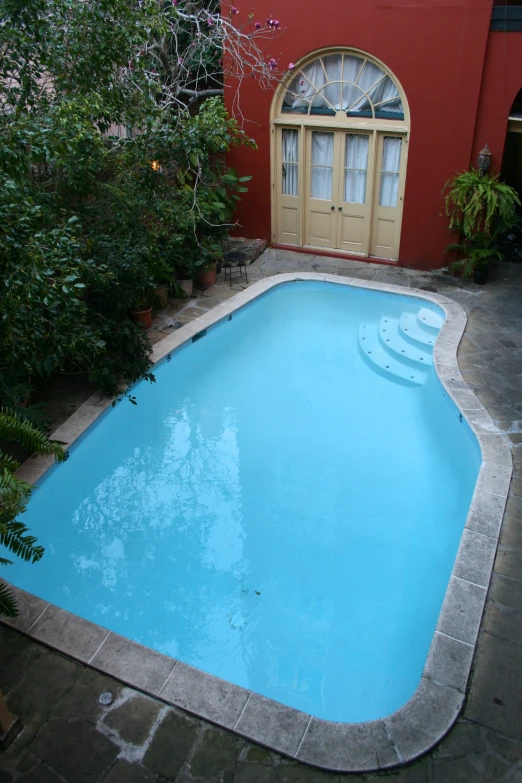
70, 737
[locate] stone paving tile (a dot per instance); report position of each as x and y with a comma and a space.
170, 745
133, 719
68, 737
497, 701
75, 749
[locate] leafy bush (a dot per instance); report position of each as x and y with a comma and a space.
481, 207
85, 221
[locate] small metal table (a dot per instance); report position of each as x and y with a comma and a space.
235, 262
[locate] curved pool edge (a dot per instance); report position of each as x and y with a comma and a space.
376, 745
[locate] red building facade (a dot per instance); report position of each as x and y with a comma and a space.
457, 65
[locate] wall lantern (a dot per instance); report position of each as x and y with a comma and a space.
155, 165
484, 160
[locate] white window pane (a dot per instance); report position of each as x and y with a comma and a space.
391, 154
321, 183
332, 64
351, 94
355, 187
322, 162
362, 105
290, 145
290, 153
320, 102
392, 107
385, 90
351, 68
357, 146
332, 93
290, 174
322, 148
389, 190
369, 76
390, 166
313, 77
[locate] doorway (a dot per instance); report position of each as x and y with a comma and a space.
340, 170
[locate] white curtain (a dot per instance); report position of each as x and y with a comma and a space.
391, 162
322, 163
353, 84
383, 91
370, 74
356, 166
333, 65
290, 162
313, 79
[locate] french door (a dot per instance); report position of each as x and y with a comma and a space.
350, 196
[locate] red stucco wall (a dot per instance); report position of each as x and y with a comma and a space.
436, 48
500, 86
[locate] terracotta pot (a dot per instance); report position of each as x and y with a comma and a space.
162, 295
143, 317
187, 286
207, 275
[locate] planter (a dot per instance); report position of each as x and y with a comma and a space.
143, 317
207, 275
480, 276
162, 295
187, 286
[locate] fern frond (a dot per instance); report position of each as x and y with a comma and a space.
12, 489
8, 606
14, 428
16, 540
4, 561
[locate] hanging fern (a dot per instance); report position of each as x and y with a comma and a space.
7, 602
477, 203
16, 429
14, 494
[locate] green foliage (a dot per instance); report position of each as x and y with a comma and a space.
480, 207
84, 219
475, 254
478, 203
14, 494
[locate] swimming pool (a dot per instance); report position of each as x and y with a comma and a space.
283, 507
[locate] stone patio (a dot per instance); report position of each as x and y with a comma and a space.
69, 736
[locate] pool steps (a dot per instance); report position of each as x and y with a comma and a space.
401, 348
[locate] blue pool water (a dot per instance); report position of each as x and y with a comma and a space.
281, 509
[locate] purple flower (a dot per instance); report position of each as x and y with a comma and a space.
174, 2
291, 66
210, 21
258, 25
234, 10
180, 60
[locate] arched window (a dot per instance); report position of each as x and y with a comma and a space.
346, 83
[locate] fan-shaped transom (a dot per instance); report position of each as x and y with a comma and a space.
346, 83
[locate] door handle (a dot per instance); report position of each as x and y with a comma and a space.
340, 209
332, 208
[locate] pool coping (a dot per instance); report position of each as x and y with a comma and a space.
340, 747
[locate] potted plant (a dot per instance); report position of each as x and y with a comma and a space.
141, 313
480, 207
184, 273
475, 255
